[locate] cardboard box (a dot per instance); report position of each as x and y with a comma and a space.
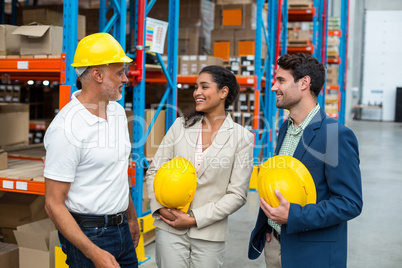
196, 21
251, 102
14, 120
9, 43
3, 160
157, 133
192, 12
49, 17
155, 136
304, 35
8, 255
184, 65
40, 39
188, 65
231, 2
333, 71
189, 41
145, 198
243, 102
247, 70
245, 43
233, 68
208, 60
247, 121
8, 235
332, 75
223, 44
20, 209
36, 242
237, 118
241, 16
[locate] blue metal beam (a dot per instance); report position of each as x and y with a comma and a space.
259, 72
173, 48
138, 133
284, 47
70, 24
270, 96
318, 33
149, 7
343, 56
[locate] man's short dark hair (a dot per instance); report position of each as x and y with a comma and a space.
302, 64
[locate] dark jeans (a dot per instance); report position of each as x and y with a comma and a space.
114, 239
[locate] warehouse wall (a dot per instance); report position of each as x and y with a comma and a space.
356, 42
383, 5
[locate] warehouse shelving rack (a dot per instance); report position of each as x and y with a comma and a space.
60, 70
278, 16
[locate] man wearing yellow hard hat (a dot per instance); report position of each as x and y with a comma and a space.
310, 232
87, 152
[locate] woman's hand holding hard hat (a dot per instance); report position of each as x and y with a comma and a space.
182, 220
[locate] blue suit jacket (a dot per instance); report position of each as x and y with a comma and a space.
316, 234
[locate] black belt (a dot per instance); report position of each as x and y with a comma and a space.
93, 221
276, 234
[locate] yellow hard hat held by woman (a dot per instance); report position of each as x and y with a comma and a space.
175, 184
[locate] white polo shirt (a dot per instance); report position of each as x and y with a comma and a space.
92, 154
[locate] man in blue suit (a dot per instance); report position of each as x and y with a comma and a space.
313, 236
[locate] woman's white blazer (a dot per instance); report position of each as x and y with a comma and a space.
223, 178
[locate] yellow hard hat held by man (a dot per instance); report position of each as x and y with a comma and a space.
290, 177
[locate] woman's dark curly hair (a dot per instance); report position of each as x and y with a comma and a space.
302, 64
222, 77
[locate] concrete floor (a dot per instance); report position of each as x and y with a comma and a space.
375, 237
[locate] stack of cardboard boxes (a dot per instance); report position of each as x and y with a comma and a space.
299, 34
234, 33
242, 110
332, 96
13, 93
9, 255
40, 36
192, 64
333, 41
195, 24
14, 119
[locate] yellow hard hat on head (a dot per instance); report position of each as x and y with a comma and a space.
175, 184
290, 177
99, 49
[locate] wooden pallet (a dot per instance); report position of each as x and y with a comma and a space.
23, 170
33, 151
300, 6
299, 43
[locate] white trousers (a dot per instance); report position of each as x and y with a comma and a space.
272, 252
181, 251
